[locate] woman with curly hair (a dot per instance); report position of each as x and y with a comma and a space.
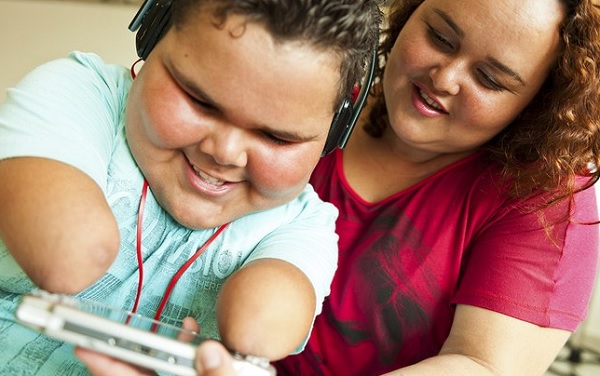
468, 243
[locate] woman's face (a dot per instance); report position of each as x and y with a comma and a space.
225, 121
460, 71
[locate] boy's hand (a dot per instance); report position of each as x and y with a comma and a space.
212, 359
102, 365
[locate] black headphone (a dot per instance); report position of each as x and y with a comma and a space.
152, 21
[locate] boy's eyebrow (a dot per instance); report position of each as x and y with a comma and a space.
193, 89
201, 95
460, 32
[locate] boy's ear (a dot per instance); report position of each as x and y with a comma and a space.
151, 22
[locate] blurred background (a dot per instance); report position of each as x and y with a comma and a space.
35, 31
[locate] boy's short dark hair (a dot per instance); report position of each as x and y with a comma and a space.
347, 27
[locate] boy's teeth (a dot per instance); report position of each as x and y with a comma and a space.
208, 178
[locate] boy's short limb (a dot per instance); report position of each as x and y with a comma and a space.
266, 309
56, 223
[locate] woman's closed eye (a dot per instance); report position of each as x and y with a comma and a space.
489, 81
445, 44
439, 40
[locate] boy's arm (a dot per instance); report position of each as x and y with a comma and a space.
266, 308
56, 223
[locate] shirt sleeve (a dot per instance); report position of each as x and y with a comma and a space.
308, 241
302, 233
66, 110
541, 275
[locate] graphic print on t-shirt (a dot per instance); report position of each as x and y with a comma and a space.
394, 312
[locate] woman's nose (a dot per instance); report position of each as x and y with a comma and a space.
446, 77
226, 145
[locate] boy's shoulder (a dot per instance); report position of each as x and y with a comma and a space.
307, 207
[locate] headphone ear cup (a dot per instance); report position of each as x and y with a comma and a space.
347, 114
154, 20
341, 127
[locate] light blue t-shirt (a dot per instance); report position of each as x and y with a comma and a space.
72, 110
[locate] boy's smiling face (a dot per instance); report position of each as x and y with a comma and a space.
225, 121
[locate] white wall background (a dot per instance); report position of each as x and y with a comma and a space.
35, 31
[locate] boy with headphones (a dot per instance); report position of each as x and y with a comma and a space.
183, 191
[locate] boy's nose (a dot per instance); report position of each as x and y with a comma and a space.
226, 145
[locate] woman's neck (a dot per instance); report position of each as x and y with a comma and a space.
377, 168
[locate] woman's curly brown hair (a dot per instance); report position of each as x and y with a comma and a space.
557, 137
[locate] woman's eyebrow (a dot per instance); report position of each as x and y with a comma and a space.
446, 17
505, 69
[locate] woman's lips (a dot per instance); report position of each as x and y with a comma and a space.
425, 104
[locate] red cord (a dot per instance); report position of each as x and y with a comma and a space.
138, 246
182, 270
177, 275
132, 69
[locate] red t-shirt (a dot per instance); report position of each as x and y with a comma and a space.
453, 238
